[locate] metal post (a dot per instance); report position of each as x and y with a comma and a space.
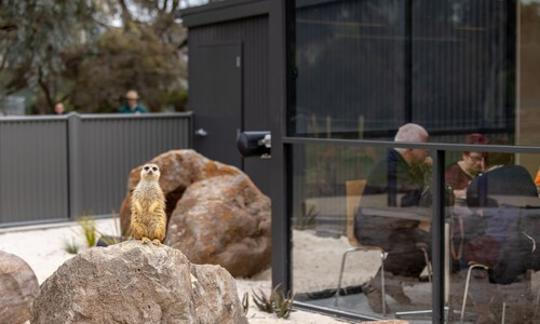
437, 243
74, 165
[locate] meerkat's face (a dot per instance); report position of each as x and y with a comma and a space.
150, 171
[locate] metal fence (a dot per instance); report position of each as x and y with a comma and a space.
55, 168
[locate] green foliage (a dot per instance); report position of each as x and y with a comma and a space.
78, 52
307, 219
263, 302
71, 247
277, 302
88, 227
282, 303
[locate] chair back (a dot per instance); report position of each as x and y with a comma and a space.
354, 190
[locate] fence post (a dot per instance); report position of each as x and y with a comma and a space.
74, 166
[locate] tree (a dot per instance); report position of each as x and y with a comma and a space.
34, 35
87, 53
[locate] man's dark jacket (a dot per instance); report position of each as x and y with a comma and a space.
402, 185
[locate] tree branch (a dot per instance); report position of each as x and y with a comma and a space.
126, 14
46, 91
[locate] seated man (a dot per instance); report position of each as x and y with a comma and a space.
399, 180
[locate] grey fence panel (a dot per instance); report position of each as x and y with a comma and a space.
111, 145
60, 167
33, 164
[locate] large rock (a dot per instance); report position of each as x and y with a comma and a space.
223, 220
179, 169
216, 214
135, 283
18, 288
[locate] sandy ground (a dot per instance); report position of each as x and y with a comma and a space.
43, 250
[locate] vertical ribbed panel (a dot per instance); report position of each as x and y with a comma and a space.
111, 147
373, 65
257, 115
350, 57
33, 170
34, 161
463, 66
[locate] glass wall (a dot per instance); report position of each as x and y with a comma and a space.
359, 203
468, 72
456, 67
492, 230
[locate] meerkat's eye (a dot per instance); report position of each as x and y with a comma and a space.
146, 168
154, 169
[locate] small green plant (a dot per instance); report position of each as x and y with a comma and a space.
308, 219
262, 302
88, 226
71, 247
277, 302
282, 303
245, 303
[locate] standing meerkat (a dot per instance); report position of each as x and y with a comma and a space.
148, 218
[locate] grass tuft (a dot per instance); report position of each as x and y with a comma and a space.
88, 226
71, 247
277, 302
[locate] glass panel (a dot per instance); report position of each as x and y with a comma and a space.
365, 67
493, 229
369, 200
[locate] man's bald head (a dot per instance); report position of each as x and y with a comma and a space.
412, 133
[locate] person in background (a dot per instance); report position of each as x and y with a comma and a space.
460, 174
132, 105
395, 179
59, 108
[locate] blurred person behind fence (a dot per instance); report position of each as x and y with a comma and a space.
132, 105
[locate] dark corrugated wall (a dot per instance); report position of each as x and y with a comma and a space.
253, 33
446, 64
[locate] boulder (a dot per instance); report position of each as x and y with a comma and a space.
215, 213
131, 282
179, 169
18, 288
223, 220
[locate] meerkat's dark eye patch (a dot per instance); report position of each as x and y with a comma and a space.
146, 168
154, 169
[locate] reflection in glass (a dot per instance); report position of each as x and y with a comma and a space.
494, 228
366, 67
372, 201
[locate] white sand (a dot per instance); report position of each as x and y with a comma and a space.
43, 250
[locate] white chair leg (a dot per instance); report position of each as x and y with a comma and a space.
383, 289
466, 292
343, 259
428, 264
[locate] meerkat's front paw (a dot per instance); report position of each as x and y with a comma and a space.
156, 242
145, 240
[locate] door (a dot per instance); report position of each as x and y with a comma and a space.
216, 99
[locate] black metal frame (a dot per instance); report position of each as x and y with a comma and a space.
437, 152
281, 230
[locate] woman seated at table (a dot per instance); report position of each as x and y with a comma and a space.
460, 174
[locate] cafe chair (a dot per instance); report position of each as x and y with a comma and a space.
354, 190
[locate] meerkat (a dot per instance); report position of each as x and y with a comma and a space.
148, 218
